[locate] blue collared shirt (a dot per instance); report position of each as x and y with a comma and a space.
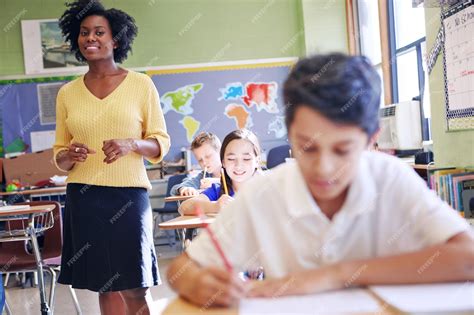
214, 192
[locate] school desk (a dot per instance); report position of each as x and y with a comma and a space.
183, 223
438, 298
186, 222
177, 199
40, 191
180, 306
39, 219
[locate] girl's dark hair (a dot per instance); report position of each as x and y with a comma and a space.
345, 89
243, 134
122, 25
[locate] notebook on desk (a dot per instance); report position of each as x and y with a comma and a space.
429, 298
335, 302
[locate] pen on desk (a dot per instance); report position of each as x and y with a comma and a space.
226, 191
214, 240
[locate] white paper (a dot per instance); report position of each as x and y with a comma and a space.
346, 301
442, 297
42, 140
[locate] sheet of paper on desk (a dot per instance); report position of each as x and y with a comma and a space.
336, 302
442, 297
7, 209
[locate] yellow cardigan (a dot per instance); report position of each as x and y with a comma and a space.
132, 110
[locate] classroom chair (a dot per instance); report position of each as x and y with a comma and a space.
169, 208
50, 253
277, 155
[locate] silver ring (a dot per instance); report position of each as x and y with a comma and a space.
76, 150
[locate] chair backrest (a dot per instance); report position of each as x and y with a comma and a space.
278, 155
174, 180
53, 237
170, 207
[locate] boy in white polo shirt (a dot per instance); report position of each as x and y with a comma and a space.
340, 216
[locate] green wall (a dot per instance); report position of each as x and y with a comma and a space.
178, 31
450, 148
325, 26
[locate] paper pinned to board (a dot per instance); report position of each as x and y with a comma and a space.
335, 302
421, 298
42, 140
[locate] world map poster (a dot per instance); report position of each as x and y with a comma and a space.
219, 99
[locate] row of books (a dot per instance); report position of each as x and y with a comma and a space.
455, 186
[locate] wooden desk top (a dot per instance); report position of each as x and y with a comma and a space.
185, 222
32, 209
41, 191
177, 198
180, 306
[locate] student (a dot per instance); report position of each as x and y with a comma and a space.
240, 157
205, 148
107, 121
340, 216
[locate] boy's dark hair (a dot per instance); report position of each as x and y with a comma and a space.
206, 137
122, 25
344, 89
238, 134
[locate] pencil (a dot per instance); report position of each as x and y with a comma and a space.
205, 171
214, 240
226, 191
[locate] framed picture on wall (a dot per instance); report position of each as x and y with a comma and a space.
44, 48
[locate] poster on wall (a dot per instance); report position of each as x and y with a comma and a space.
44, 48
458, 23
222, 97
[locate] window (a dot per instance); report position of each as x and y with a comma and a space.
407, 48
404, 50
409, 22
369, 28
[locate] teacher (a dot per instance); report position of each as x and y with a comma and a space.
107, 121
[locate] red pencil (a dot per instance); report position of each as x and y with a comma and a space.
214, 240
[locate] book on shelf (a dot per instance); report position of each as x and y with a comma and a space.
455, 186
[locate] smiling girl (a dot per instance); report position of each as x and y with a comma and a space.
240, 156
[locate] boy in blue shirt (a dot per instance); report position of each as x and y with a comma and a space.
205, 147
340, 217
240, 157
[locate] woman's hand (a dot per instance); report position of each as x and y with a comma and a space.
223, 201
78, 152
116, 148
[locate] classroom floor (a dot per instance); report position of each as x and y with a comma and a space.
26, 301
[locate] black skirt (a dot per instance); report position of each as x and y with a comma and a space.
108, 239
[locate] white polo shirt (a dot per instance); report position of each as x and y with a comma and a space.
274, 221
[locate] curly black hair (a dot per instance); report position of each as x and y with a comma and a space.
344, 89
123, 26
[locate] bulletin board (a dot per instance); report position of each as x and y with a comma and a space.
28, 113
222, 98
458, 57
216, 98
